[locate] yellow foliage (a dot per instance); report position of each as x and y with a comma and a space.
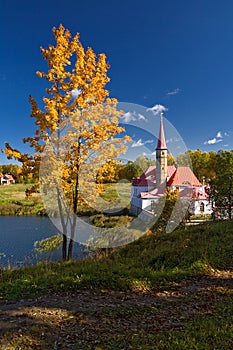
75, 133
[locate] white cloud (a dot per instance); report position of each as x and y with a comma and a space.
146, 154
212, 141
141, 117
128, 117
157, 109
173, 92
133, 116
138, 143
172, 139
76, 92
218, 138
149, 141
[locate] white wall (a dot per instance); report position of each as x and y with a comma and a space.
196, 207
136, 190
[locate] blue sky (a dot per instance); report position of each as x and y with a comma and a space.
177, 54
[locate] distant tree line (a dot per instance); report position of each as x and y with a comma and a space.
213, 168
132, 169
216, 170
204, 165
16, 171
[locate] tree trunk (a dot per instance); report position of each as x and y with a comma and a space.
75, 206
64, 247
64, 227
70, 249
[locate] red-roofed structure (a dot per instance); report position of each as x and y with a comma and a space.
6, 179
152, 184
148, 178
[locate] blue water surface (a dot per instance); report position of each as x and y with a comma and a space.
17, 237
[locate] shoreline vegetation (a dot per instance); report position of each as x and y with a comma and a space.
156, 258
13, 200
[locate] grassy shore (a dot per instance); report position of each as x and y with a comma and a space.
152, 260
13, 201
176, 287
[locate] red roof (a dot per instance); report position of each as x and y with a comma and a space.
170, 170
183, 176
7, 176
149, 176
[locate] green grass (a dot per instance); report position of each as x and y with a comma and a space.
12, 192
13, 201
201, 332
116, 195
101, 220
153, 260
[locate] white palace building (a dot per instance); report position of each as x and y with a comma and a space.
151, 185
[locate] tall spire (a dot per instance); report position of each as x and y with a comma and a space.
161, 158
161, 140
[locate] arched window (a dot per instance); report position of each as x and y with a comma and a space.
202, 207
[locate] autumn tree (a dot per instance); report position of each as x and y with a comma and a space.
12, 169
75, 131
170, 159
203, 163
142, 163
175, 211
222, 185
128, 171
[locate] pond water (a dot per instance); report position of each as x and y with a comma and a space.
17, 237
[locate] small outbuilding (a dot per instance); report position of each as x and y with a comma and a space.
6, 179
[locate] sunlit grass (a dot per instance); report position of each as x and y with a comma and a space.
13, 201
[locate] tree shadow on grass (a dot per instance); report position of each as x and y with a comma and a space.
114, 319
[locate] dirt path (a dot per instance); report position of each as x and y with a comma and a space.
84, 319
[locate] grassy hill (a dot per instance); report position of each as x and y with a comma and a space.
154, 259
164, 291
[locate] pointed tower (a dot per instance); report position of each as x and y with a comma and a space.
161, 157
